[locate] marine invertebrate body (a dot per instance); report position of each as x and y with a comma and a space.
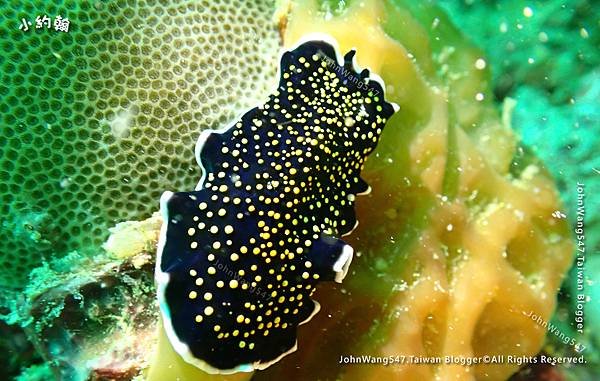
240, 256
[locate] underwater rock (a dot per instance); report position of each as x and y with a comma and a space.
94, 323
18, 349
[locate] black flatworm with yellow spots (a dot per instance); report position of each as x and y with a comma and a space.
239, 257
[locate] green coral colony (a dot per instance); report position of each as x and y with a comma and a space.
239, 258
97, 121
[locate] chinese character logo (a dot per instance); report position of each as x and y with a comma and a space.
60, 24
44, 22
24, 25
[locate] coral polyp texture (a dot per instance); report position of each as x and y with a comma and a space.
97, 121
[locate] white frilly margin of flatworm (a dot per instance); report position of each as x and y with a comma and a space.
340, 267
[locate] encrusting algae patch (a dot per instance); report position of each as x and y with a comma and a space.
133, 237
